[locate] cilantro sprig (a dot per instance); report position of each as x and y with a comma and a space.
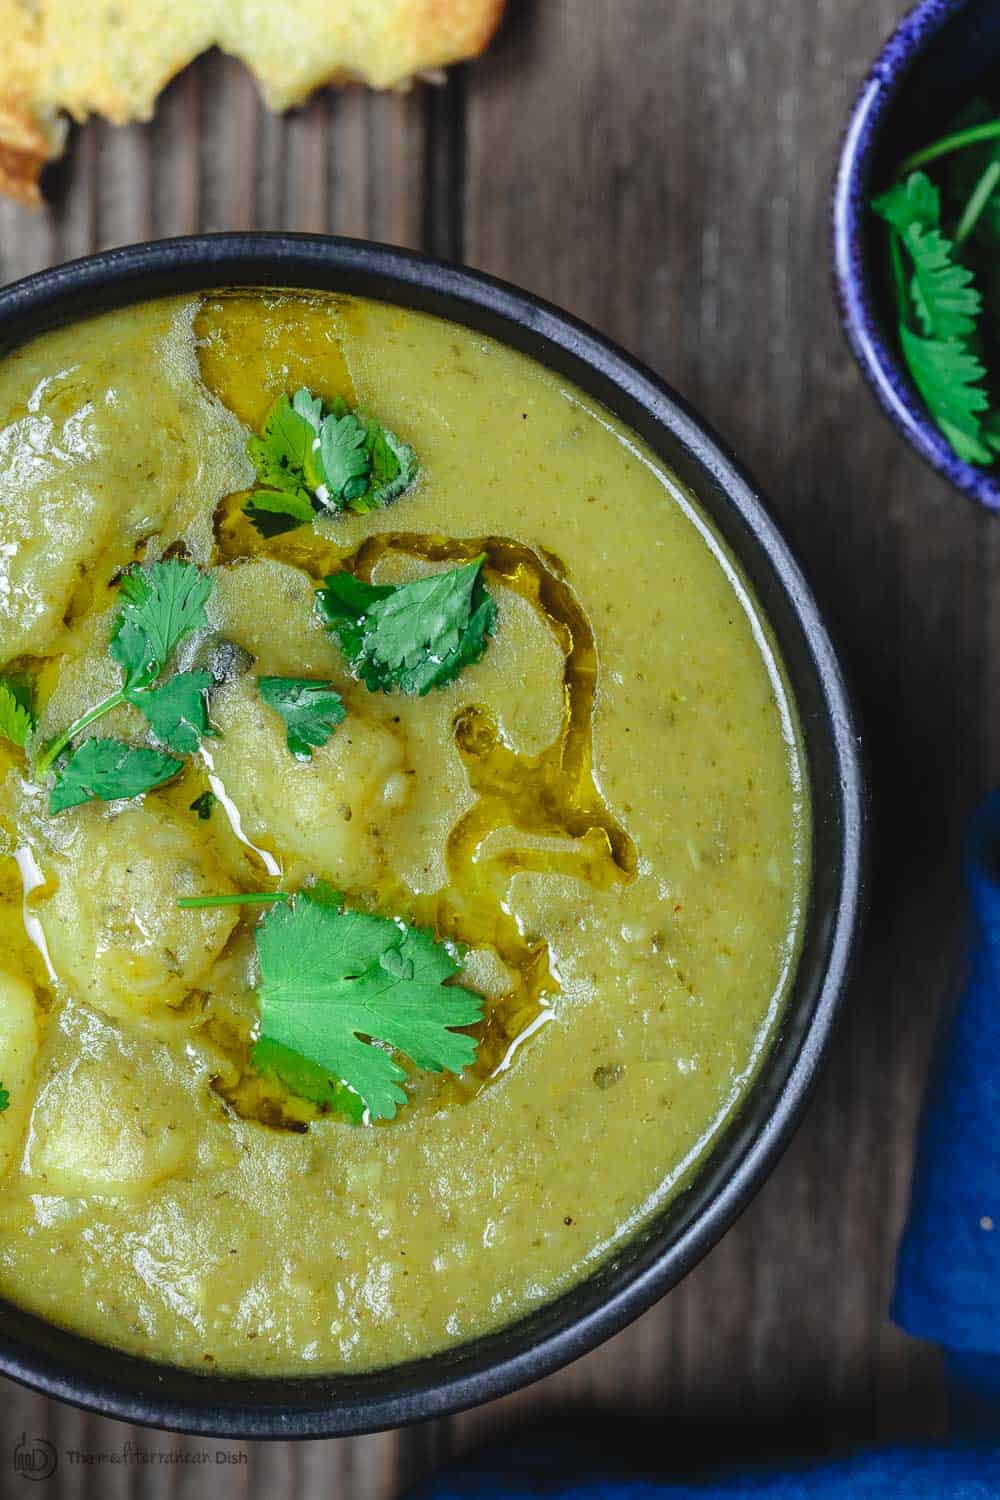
17, 719
339, 987
314, 459
311, 710
106, 770
160, 607
940, 275
411, 636
4, 1099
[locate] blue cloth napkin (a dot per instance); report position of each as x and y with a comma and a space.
948, 1281
927, 1474
948, 1285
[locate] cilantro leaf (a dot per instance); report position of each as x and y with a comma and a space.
343, 606
4, 1099
177, 710
310, 407
17, 722
313, 457
108, 770
413, 636
311, 710
276, 511
946, 301
913, 202
283, 454
393, 468
204, 805
944, 298
333, 983
345, 460
947, 375
161, 606
938, 306
307, 1079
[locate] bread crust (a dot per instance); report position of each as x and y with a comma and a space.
86, 58
19, 173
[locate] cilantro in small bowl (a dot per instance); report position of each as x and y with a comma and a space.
916, 218
943, 244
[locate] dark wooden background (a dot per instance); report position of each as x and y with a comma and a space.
661, 167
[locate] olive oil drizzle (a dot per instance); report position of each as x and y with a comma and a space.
553, 796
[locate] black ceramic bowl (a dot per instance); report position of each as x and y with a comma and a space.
136, 1390
934, 62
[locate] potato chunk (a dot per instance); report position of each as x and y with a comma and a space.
285, 635
18, 1051
91, 462
326, 816
110, 1122
114, 930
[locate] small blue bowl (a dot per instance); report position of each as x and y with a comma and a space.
937, 59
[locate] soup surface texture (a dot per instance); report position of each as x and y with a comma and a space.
605, 808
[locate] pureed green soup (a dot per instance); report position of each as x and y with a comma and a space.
438, 665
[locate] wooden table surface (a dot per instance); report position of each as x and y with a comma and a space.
661, 167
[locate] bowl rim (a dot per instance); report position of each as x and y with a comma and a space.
456, 1380
884, 371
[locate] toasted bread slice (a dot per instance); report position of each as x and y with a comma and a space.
96, 57
294, 48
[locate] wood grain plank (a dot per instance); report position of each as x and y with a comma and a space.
349, 164
27, 240
176, 176
396, 166
307, 204
124, 184
221, 136
74, 205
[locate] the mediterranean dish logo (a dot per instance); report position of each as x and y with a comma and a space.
35, 1459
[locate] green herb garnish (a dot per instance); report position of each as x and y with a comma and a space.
107, 770
17, 721
411, 636
251, 898
947, 375
313, 459
274, 512
4, 1099
160, 607
344, 461
204, 805
393, 468
334, 983
177, 710
311, 710
944, 279
283, 454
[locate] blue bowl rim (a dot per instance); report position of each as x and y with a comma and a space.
63, 1364
881, 366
